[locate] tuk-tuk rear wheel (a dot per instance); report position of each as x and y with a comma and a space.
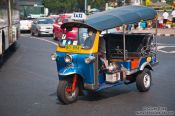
65, 93
143, 80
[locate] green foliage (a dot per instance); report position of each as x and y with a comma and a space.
72, 5
78, 5
97, 3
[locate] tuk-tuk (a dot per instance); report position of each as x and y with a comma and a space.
92, 62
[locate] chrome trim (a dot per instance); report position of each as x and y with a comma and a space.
69, 73
62, 74
91, 86
124, 43
131, 72
144, 65
96, 81
53, 56
69, 56
90, 58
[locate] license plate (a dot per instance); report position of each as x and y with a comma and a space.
73, 48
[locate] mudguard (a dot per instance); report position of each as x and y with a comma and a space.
69, 71
145, 64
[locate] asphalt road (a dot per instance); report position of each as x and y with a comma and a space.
28, 82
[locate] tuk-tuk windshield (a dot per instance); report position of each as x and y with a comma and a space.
83, 37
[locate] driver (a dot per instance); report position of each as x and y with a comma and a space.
89, 40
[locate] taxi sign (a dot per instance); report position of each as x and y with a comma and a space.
78, 16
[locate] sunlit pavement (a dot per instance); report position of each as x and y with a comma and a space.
28, 82
160, 31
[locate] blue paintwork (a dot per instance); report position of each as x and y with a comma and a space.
101, 77
86, 71
126, 65
78, 66
153, 59
143, 60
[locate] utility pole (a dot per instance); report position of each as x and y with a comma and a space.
85, 6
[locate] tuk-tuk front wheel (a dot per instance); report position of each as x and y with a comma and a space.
65, 93
143, 80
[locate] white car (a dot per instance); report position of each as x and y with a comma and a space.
42, 26
25, 25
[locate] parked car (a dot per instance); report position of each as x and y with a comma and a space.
42, 26
54, 17
70, 34
25, 24
57, 31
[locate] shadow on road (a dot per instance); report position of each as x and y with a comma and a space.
8, 53
101, 95
104, 94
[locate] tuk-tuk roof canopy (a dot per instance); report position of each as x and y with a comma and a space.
119, 16
115, 17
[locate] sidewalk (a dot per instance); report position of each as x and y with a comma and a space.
160, 32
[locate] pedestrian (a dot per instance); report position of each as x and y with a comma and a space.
136, 25
173, 5
165, 17
129, 27
173, 17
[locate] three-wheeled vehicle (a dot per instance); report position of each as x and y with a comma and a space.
93, 62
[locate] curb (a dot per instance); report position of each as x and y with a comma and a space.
167, 35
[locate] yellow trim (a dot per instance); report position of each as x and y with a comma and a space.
148, 59
93, 50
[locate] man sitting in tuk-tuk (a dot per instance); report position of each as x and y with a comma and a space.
90, 39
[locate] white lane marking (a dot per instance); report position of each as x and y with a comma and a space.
24, 35
165, 44
48, 41
160, 49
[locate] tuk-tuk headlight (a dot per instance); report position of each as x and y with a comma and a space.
68, 59
53, 56
89, 59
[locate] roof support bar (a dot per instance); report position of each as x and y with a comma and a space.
156, 33
124, 41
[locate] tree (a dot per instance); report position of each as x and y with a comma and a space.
100, 4
59, 6
64, 5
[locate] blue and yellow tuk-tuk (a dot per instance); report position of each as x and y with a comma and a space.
93, 62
